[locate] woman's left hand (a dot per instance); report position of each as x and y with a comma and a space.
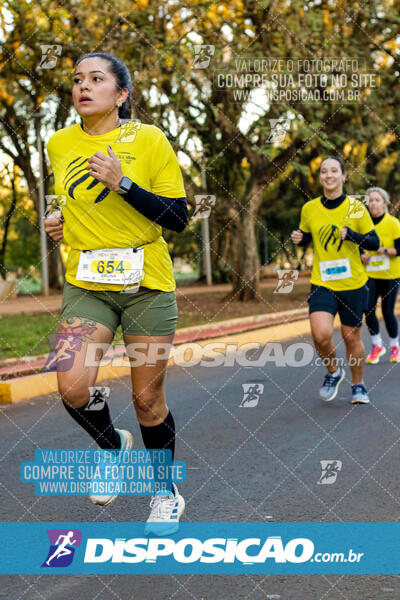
365, 258
106, 169
381, 250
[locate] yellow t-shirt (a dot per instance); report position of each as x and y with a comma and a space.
95, 217
388, 229
325, 224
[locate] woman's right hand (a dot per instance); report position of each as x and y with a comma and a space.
296, 236
53, 225
365, 258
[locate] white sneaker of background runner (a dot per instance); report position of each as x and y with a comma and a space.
331, 385
126, 444
166, 510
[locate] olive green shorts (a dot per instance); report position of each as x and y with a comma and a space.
147, 312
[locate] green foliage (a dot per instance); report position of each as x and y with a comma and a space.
23, 247
34, 340
185, 245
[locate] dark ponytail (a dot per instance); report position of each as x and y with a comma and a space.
122, 76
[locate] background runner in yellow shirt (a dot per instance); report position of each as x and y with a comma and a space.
120, 183
337, 224
383, 270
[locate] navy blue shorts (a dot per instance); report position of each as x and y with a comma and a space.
350, 304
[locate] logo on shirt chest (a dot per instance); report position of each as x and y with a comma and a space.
329, 237
128, 131
77, 179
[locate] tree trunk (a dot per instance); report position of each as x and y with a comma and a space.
246, 271
3, 270
54, 264
220, 240
245, 262
244, 250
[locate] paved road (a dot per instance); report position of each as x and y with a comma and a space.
244, 464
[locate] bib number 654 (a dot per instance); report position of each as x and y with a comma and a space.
110, 266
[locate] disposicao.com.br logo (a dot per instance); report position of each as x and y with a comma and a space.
120, 547
247, 551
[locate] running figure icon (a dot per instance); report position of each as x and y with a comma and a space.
62, 549
62, 357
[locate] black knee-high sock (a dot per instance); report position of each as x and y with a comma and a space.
161, 437
96, 422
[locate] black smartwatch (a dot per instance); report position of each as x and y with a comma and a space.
385, 251
125, 185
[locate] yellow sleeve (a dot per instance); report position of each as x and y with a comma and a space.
365, 223
49, 148
53, 147
304, 224
166, 176
396, 229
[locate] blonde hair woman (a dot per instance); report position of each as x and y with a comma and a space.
383, 270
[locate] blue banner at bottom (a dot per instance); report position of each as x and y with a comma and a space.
204, 548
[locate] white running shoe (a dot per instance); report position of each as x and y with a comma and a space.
359, 394
331, 385
165, 513
126, 444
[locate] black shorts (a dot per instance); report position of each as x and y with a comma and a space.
350, 304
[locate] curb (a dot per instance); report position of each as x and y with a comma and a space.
25, 378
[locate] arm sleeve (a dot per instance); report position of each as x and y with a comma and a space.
307, 238
397, 245
368, 241
171, 213
165, 203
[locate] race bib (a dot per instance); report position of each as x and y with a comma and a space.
121, 266
335, 269
378, 263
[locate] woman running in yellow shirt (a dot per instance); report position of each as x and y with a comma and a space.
383, 270
121, 184
337, 224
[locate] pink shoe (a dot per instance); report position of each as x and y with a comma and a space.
375, 354
395, 354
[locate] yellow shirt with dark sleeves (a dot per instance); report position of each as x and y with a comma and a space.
325, 224
388, 230
96, 217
